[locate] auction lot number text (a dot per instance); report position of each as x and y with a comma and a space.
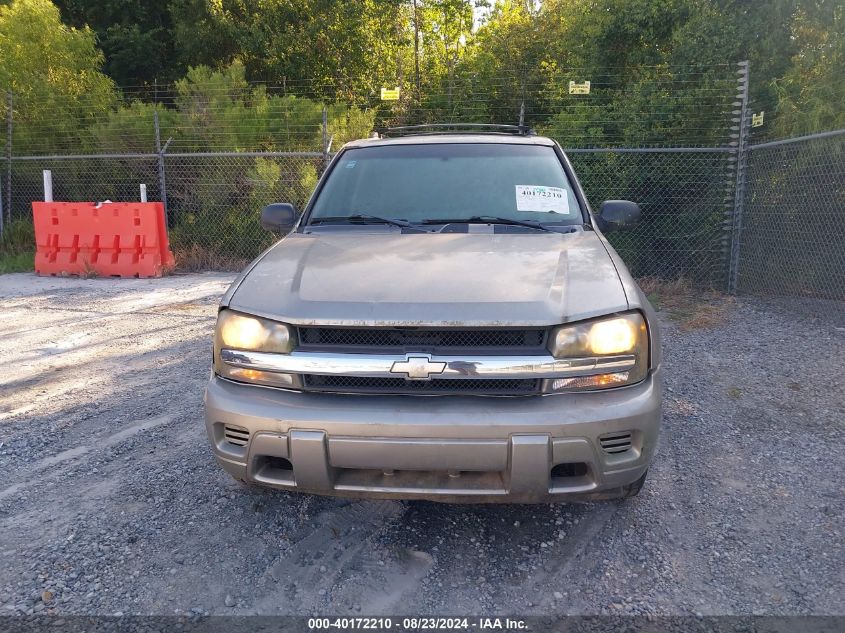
414, 624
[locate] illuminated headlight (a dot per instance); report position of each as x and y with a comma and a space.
249, 333
242, 332
614, 349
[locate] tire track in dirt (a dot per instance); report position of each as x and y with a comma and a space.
71, 456
343, 563
570, 562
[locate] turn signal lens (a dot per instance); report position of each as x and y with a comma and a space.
600, 381
268, 378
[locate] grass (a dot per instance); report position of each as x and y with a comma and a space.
17, 247
690, 306
195, 258
16, 262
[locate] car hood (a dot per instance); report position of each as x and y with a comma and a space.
436, 279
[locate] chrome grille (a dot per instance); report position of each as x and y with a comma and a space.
474, 386
403, 339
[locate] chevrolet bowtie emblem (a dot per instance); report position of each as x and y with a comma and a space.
417, 367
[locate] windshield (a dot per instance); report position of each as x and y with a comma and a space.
449, 182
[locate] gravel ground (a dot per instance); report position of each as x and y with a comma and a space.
110, 501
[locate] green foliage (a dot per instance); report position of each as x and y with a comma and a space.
522, 52
812, 92
18, 263
347, 124
53, 71
18, 237
136, 37
349, 48
234, 233
129, 129
17, 247
219, 210
805, 229
221, 111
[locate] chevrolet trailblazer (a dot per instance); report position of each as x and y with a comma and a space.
444, 321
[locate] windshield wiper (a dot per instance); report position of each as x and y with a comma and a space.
490, 219
365, 218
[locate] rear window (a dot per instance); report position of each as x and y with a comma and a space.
450, 181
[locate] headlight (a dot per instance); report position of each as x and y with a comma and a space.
245, 333
620, 341
239, 331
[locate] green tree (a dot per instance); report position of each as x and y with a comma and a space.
811, 93
136, 37
446, 29
54, 74
342, 48
507, 60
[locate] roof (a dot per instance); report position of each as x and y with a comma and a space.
426, 139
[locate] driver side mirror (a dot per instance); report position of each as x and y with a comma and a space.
278, 217
616, 215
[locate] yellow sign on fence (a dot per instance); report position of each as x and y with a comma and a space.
579, 89
757, 119
388, 94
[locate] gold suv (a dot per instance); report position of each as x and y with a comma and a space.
444, 321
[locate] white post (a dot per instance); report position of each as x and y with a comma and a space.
48, 185
143, 192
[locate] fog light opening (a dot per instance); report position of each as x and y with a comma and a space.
270, 469
270, 462
569, 469
280, 463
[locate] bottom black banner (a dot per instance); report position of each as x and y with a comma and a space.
300, 624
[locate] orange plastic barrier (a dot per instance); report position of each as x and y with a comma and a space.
114, 239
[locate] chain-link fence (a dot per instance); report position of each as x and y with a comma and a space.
213, 201
717, 209
682, 193
792, 228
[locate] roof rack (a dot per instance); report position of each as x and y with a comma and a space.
454, 128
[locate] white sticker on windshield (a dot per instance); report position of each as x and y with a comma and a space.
536, 198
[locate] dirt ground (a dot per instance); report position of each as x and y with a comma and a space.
110, 501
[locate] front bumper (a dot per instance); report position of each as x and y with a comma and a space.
441, 448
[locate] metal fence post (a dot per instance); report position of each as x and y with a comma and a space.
1, 209
9, 103
325, 138
162, 182
741, 141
